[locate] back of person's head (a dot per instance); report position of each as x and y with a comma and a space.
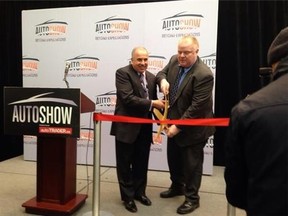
279, 47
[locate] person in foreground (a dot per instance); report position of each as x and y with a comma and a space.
136, 96
256, 172
190, 97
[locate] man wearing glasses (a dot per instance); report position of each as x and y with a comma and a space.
188, 83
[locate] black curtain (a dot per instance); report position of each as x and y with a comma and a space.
245, 31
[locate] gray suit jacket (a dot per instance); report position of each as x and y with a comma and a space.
131, 102
193, 100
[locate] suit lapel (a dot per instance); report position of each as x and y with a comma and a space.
184, 82
136, 78
149, 82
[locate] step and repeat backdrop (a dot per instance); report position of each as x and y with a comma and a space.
94, 42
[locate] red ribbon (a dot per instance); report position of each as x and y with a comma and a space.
193, 122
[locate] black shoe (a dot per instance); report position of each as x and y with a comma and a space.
144, 200
187, 207
172, 193
130, 206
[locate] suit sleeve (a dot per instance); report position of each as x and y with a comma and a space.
235, 172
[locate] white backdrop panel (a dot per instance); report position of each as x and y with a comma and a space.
97, 41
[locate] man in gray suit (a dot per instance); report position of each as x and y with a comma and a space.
189, 83
136, 96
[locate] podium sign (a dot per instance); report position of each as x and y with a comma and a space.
42, 111
53, 115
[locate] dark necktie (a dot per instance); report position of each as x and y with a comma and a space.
176, 85
143, 83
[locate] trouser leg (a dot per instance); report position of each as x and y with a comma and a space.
193, 157
124, 153
175, 164
140, 163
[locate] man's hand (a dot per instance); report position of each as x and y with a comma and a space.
164, 86
172, 131
159, 104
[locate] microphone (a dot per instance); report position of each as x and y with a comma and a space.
67, 67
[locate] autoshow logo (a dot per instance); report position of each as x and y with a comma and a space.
26, 111
156, 63
51, 28
34, 111
106, 102
83, 63
83, 66
30, 66
181, 24
113, 28
157, 139
182, 21
210, 61
51, 31
86, 133
112, 25
210, 143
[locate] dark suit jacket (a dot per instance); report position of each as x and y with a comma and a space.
256, 150
193, 100
131, 102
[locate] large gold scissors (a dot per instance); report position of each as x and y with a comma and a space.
161, 116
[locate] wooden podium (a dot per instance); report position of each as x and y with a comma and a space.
56, 173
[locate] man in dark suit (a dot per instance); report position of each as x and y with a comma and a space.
136, 96
256, 172
189, 83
